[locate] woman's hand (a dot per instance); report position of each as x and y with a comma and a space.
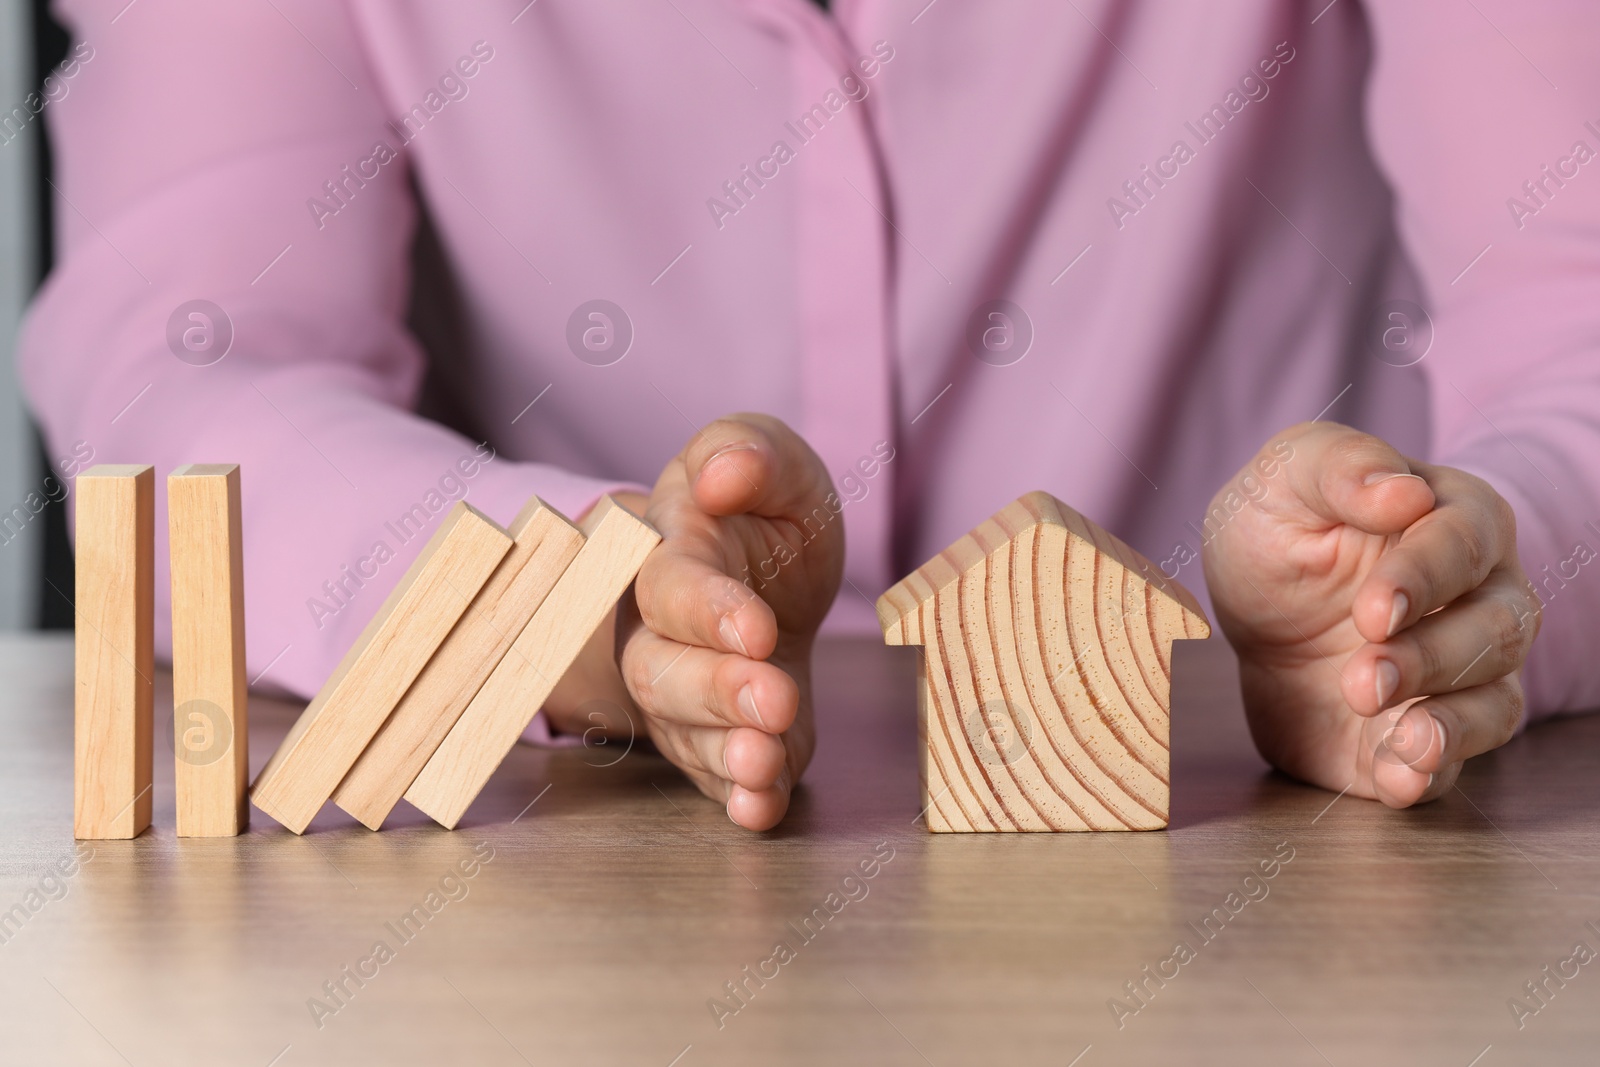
714, 643
1378, 608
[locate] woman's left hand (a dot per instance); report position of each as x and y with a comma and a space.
1378, 608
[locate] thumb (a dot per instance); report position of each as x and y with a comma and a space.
755, 464
1343, 476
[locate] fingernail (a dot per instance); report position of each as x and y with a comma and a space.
747, 704
1382, 476
1388, 679
1397, 614
730, 634
728, 450
1444, 738
1431, 779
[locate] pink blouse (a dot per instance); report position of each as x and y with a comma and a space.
1103, 248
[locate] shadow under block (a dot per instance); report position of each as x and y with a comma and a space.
114, 663
616, 544
331, 733
1045, 695
210, 719
543, 543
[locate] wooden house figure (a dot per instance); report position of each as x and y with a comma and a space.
1045, 695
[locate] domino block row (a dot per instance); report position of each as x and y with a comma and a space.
425, 705
114, 644
464, 652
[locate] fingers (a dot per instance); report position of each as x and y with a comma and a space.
747, 770
1397, 786
1469, 534
685, 595
1483, 635
760, 810
1434, 733
718, 716
693, 640
754, 464
1341, 475
1455, 529
1418, 756
744, 757
693, 686
689, 589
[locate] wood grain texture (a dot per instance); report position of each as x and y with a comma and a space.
1045, 695
380, 667
616, 544
1393, 937
211, 771
114, 623
543, 544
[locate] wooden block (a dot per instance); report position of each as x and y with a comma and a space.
1045, 695
328, 737
114, 651
543, 543
210, 720
616, 544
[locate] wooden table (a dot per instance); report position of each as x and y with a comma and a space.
600, 922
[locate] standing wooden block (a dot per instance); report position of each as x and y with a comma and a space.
1045, 696
114, 647
210, 719
616, 544
543, 543
330, 734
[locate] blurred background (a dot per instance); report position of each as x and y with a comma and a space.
34, 552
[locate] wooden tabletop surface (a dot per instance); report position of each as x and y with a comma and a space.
599, 924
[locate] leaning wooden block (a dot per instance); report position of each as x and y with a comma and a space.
616, 544
210, 718
380, 667
1045, 696
114, 648
543, 543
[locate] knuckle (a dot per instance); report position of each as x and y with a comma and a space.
1432, 585
1350, 447
725, 430
1504, 517
648, 588
719, 680
1477, 551
745, 429
1513, 705
668, 603
685, 752
1508, 635
769, 426
1431, 664
641, 682
703, 753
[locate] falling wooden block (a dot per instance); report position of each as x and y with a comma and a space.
331, 733
114, 646
543, 543
210, 719
616, 544
1045, 695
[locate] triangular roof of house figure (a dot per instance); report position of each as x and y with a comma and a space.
1047, 673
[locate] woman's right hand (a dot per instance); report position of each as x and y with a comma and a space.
714, 641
